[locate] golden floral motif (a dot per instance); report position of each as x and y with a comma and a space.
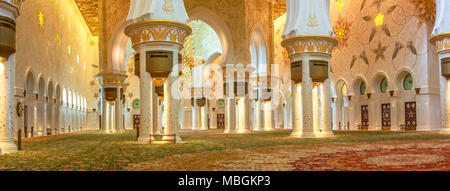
425, 11
302, 44
443, 44
342, 29
312, 16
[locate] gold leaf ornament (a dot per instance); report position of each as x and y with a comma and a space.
168, 6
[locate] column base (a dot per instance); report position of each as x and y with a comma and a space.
204, 128
197, 129
170, 139
144, 140
242, 131
327, 134
229, 131
119, 131
258, 129
300, 134
269, 129
445, 131
7, 145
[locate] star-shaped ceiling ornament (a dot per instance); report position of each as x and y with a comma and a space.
96, 95
379, 19
380, 51
130, 95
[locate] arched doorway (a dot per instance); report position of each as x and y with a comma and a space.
50, 109
342, 106
41, 108
29, 114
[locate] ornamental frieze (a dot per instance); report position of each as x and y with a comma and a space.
442, 42
158, 30
309, 44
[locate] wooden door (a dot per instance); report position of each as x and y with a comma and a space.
365, 117
386, 117
410, 116
220, 120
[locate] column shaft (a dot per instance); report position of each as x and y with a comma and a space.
204, 119
213, 117
258, 116
104, 114
244, 126
326, 110
307, 104
230, 115
171, 113
145, 87
7, 144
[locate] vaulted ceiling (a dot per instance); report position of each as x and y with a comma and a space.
89, 9
90, 12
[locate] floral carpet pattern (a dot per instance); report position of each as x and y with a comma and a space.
377, 156
215, 151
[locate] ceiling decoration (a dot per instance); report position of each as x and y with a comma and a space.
279, 8
89, 10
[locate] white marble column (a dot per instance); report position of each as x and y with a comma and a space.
230, 115
316, 109
441, 38
213, 121
196, 116
307, 102
445, 105
244, 126
297, 122
117, 113
204, 117
426, 102
156, 116
326, 110
171, 113
104, 111
268, 116
7, 144
258, 116
394, 113
145, 87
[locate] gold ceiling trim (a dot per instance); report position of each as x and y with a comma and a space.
90, 11
279, 8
